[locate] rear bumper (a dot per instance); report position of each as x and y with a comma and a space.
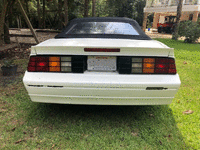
101, 88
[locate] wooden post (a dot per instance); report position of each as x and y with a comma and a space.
28, 22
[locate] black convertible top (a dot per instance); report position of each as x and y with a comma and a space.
65, 32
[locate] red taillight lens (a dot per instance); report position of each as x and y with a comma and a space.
165, 66
49, 64
38, 63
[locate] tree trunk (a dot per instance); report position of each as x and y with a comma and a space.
86, 9
93, 8
60, 14
178, 16
6, 32
39, 15
44, 14
27, 8
66, 11
2, 21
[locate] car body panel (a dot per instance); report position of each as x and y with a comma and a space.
105, 88
127, 47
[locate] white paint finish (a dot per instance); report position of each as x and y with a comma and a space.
98, 42
107, 88
102, 101
101, 80
100, 92
127, 47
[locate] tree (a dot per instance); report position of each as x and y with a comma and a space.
86, 8
178, 16
39, 14
66, 11
93, 8
4, 5
44, 14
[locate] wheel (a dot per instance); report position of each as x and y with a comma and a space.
168, 30
159, 30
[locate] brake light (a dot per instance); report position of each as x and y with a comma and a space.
101, 50
49, 64
153, 66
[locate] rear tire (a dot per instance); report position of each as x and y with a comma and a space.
159, 30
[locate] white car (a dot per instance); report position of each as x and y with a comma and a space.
102, 61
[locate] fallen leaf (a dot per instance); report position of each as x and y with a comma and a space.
184, 62
53, 146
13, 129
188, 112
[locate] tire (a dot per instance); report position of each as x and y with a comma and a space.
159, 30
168, 30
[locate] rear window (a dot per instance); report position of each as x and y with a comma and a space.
102, 28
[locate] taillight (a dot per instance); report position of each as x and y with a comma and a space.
49, 64
153, 66
75, 64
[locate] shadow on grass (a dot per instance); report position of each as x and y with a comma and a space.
150, 126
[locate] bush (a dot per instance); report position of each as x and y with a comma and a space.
190, 30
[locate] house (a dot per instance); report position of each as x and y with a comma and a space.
162, 8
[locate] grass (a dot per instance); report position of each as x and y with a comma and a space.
28, 125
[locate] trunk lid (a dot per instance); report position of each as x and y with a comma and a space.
127, 47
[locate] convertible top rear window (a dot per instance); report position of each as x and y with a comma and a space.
103, 27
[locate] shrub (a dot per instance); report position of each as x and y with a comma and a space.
190, 30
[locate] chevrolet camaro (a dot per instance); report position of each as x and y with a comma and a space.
102, 61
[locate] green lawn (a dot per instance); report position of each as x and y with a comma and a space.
28, 125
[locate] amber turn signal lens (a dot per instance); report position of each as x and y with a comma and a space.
54, 64
148, 65
54, 69
149, 60
145, 70
54, 58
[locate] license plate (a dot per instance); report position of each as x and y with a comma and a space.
102, 63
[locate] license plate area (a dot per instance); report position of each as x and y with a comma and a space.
102, 63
